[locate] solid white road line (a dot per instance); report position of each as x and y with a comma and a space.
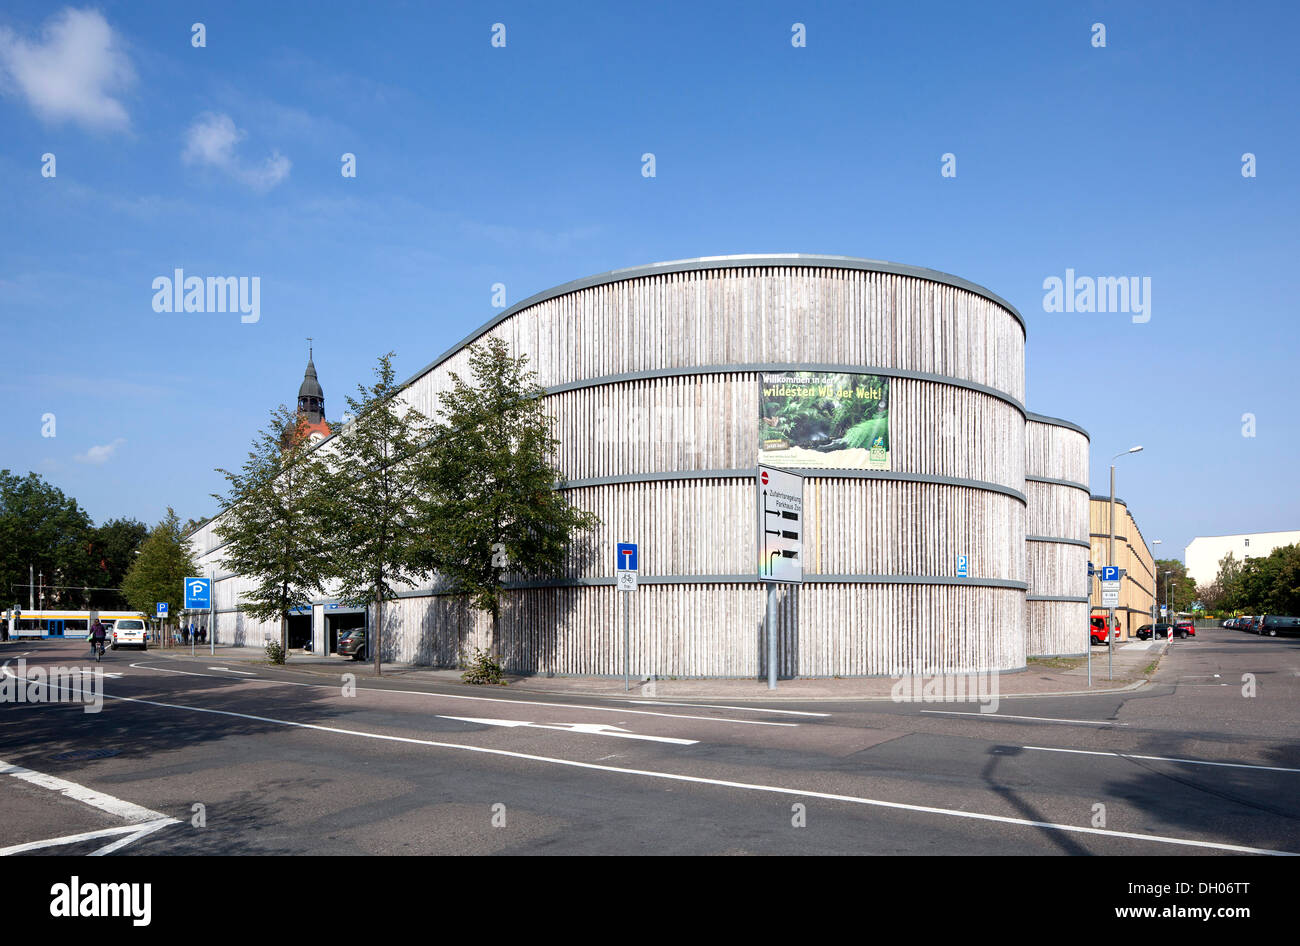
1040, 719
127, 811
493, 699
228, 670
1158, 758
591, 729
742, 709
722, 783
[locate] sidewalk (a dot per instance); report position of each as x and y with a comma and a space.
1043, 677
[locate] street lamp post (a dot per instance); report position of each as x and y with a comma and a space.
1155, 592
1110, 554
1167, 574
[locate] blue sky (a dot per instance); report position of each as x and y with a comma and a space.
521, 165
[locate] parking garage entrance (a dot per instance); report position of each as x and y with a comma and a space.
339, 619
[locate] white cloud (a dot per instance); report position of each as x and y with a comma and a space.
212, 141
100, 455
73, 72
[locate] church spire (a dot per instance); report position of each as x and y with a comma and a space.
311, 400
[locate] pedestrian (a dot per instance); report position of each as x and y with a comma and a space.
203, 634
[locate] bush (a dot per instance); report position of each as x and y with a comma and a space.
483, 668
274, 652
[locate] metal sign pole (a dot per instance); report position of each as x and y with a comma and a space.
1110, 647
771, 635
627, 643
1090, 590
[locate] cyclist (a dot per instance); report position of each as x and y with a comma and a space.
97, 635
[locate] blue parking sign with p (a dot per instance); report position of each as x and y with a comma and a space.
198, 593
162, 609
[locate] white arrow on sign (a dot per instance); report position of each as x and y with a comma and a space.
591, 729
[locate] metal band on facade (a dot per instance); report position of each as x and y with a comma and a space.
1058, 540
810, 474
1056, 422
761, 367
1055, 482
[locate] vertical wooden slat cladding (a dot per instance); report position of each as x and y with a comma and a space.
1056, 628
855, 527
1056, 569
1055, 452
709, 422
900, 539
716, 630
1057, 511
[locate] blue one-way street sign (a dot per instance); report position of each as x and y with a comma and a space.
198, 593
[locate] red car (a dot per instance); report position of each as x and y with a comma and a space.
1098, 630
1184, 629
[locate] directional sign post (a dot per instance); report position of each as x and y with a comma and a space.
780, 544
625, 563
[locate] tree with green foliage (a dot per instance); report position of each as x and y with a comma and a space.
491, 504
42, 528
271, 523
112, 552
1181, 588
372, 490
1271, 584
159, 571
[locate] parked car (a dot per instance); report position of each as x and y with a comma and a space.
1247, 623
1184, 629
1144, 632
1227, 622
1097, 625
353, 644
1275, 624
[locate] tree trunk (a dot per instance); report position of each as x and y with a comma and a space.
493, 647
379, 622
284, 635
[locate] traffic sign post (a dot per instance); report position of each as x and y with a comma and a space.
626, 561
963, 566
1110, 581
198, 596
780, 544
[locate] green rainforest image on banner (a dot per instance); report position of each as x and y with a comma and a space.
829, 421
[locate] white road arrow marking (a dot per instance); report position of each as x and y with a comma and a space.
591, 729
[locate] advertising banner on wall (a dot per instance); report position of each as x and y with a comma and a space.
820, 420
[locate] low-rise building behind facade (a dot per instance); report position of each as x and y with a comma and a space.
1136, 596
1203, 554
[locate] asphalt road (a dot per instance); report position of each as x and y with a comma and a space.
200, 757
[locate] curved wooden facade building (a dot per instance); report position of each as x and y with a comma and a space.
652, 379
1057, 547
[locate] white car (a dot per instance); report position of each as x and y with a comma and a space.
129, 632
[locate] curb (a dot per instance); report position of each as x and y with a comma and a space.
521, 687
